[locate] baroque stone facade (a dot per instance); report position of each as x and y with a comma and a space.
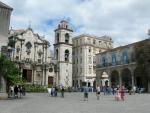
121, 67
32, 55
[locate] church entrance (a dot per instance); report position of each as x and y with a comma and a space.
27, 75
50, 80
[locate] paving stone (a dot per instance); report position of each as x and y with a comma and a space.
74, 103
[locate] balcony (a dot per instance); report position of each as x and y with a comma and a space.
114, 64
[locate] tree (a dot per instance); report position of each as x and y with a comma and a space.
9, 70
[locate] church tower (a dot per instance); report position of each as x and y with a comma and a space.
63, 54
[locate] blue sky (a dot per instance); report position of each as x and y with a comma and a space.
126, 21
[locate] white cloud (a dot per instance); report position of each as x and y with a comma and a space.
126, 21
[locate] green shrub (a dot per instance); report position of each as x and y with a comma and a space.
35, 88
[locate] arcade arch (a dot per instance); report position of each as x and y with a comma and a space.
114, 78
126, 77
141, 79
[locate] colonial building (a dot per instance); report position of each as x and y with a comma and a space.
63, 53
85, 47
120, 66
32, 55
5, 13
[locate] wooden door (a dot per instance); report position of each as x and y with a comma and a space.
50, 80
29, 75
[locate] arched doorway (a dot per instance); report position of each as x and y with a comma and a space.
104, 79
114, 78
50, 80
126, 78
141, 80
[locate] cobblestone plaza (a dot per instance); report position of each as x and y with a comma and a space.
73, 103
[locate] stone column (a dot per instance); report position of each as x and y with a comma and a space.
120, 78
132, 77
42, 77
98, 79
109, 78
3, 94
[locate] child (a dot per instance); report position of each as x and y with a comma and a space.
118, 95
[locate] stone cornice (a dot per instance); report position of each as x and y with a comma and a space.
63, 29
62, 43
92, 45
64, 62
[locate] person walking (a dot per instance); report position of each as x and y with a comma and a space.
134, 89
98, 92
117, 95
16, 91
56, 90
122, 92
86, 93
62, 92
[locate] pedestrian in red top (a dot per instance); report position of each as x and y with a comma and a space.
122, 92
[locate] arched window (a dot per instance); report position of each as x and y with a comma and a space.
57, 36
124, 57
67, 55
57, 54
113, 59
104, 61
67, 38
28, 48
59, 26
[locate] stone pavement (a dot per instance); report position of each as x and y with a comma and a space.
73, 103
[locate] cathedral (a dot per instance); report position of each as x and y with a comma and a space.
73, 63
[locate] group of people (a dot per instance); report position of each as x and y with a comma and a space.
54, 91
119, 93
16, 91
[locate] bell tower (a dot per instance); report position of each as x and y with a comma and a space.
63, 54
